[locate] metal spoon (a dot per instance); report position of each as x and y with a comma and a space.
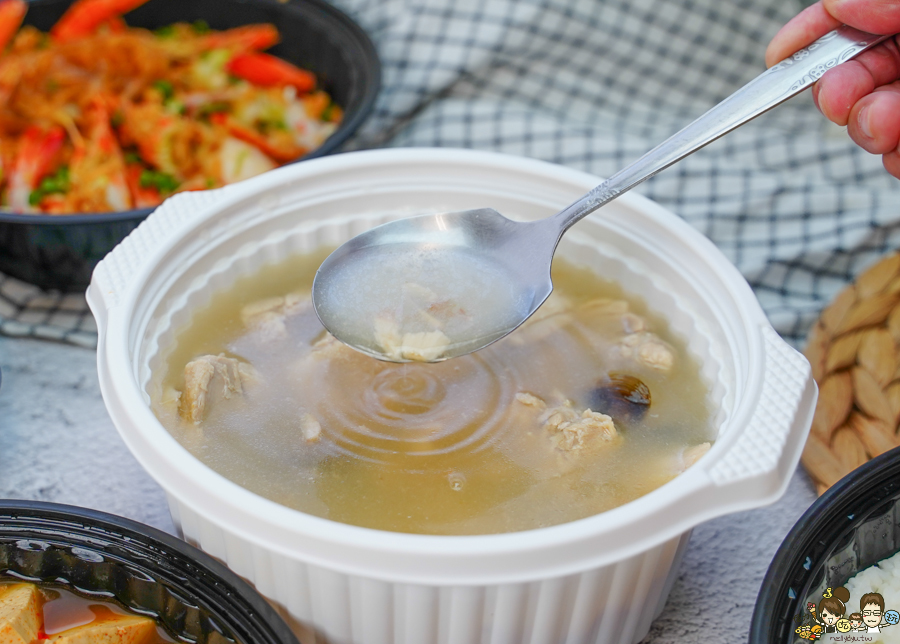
478, 275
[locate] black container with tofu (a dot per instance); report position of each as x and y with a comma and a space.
190, 595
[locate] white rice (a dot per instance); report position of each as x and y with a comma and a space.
884, 578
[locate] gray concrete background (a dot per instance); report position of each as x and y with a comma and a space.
58, 444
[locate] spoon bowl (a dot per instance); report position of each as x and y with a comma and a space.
435, 287
470, 276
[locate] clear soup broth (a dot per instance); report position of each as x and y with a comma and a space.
589, 405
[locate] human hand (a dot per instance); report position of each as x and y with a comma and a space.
864, 93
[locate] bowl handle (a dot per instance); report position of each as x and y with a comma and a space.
115, 272
759, 465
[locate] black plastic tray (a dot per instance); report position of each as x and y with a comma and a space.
60, 252
194, 597
855, 524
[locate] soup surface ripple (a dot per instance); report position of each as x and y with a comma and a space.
590, 404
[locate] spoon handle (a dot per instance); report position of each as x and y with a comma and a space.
774, 86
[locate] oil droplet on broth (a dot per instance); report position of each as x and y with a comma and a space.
406, 303
457, 481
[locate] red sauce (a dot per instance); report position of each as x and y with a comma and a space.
63, 609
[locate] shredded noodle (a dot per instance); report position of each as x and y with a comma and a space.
122, 117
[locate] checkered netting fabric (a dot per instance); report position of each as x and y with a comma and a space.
593, 84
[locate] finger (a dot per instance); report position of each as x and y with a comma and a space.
875, 121
842, 87
874, 16
810, 24
891, 162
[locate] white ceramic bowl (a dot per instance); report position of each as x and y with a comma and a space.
600, 579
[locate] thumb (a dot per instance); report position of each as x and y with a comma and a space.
874, 16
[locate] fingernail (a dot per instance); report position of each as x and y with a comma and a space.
863, 120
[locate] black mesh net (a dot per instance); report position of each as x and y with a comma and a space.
593, 84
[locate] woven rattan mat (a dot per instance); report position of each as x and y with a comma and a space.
854, 350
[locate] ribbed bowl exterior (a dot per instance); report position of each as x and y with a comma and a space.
607, 605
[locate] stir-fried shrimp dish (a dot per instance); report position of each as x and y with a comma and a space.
97, 116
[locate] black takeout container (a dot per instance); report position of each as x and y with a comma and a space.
854, 525
191, 595
59, 252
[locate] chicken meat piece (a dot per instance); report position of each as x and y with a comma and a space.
310, 428
416, 333
267, 317
614, 316
571, 431
210, 379
530, 400
424, 310
387, 335
424, 346
116, 629
326, 350
20, 614
329, 347
648, 350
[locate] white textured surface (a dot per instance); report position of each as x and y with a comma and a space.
786, 373
120, 266
58, 444
614, 604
